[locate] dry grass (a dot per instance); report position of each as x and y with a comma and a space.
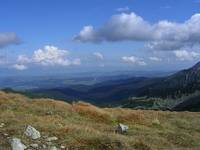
83, 126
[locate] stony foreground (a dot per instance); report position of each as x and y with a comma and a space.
53, 125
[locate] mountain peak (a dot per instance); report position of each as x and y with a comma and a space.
196, 66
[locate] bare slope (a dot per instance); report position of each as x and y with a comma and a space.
84, 126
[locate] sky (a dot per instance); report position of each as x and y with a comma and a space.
98, 35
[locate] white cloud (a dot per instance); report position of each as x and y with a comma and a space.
118, 28
186, 55
134, 60
49, 56
155, 59
162, 35
8, 39
20, 67
123, 9
87, 34
98, 55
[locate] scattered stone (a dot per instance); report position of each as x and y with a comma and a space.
16, 144
34, 145
52, 139
2, 125
49, 113
53, 148
5, 134
62, 147
32, 132
121, 128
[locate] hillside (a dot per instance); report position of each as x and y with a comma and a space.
82, 126
180, 88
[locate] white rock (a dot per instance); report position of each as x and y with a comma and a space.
121, 128
62, 147
16, 144
32, 132
2, 125
52, 139
34, 145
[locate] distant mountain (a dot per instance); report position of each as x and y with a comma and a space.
183, 82
174, 91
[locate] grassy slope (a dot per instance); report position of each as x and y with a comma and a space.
84, 126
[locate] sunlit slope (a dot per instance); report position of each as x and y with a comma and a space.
84, 126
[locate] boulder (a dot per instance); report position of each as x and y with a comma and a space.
32, 132
16, 144
121, 128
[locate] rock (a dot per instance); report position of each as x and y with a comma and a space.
49, 113
32, 132
121, 128
2, 125
34, 145
16, 144
53, 148
62, 147
52, 139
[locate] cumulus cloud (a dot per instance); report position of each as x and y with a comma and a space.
20, 67
134, 60
118, 28
98, 55
186, 55
162, 35
49, 56
123, 9
7, 39
155, 58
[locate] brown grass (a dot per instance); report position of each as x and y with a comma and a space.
83, 126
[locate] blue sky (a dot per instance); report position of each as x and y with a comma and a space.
46, 34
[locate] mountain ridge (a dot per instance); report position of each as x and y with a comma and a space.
175, 88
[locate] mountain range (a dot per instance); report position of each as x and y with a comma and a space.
178, 91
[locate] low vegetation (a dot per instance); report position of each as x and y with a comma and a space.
86, 127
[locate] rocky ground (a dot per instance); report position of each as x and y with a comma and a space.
45, 124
